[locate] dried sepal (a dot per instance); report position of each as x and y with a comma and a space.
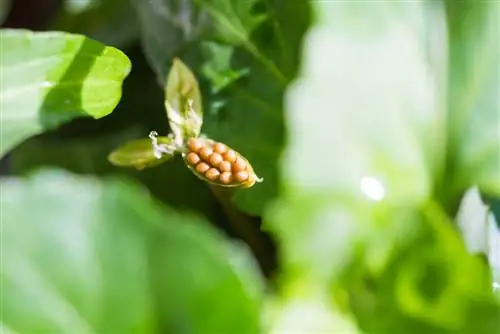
140, 153
183, 101
219, 164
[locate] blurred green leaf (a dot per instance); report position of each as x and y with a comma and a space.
182, 87
366, 122
170, 28
49, 78
474, 90
139, 154
86, 252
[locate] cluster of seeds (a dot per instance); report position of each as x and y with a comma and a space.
218, 163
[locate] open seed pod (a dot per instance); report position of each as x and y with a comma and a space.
218, 164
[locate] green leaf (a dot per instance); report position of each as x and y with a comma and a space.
139, 154
183, 101
474, 107
79, 253
49, 78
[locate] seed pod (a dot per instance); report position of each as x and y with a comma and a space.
218, 164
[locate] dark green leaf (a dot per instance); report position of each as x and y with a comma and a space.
5, 6
169, 29
183, 101
79, 253
112, 22
139, 154
49, 78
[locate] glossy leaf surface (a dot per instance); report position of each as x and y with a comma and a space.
49, 78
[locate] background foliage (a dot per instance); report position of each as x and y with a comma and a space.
376, 127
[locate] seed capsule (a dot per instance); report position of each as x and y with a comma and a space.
218, 164
193, 158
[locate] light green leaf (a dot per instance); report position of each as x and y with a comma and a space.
79, 253
183, 101
139, 154
474, 104
49, 78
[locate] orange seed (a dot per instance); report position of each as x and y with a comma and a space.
220, 148
230, 156
205, 153
239, 165
195, 144
193, 158
202, 167
226, 177
241, 176
225, 166
215, 159
212, 174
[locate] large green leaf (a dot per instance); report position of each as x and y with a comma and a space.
81, 255
366, 126
474, 90
49, 78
